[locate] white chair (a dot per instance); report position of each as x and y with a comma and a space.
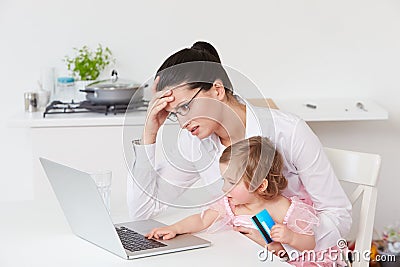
361, 169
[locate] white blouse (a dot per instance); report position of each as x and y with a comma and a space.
189, 175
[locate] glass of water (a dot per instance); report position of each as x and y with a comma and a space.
103, 183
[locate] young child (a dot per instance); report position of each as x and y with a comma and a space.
253, 181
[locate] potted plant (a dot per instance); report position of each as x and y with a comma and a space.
87, 64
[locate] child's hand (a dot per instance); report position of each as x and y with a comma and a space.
163, 233
251, 233
280, 233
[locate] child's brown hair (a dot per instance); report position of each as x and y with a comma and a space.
257, 159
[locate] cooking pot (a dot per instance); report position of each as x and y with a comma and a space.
114, 91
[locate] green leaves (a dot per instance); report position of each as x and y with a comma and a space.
88, 64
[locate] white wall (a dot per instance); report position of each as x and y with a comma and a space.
288, 48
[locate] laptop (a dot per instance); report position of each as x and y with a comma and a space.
89, 219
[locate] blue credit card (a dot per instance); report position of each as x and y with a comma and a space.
264, 222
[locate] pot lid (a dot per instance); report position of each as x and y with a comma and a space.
115, 83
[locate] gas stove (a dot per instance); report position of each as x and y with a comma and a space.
59, 107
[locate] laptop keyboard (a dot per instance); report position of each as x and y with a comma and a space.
134, 241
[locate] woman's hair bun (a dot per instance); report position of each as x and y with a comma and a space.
207, 47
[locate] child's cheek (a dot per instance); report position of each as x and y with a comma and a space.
240, 194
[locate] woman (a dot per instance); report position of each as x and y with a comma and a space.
193, 88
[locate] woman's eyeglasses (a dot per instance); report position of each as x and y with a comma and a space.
181, 110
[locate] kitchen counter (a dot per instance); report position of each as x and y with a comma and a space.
319, 109
36, 120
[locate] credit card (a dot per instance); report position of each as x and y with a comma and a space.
264, 222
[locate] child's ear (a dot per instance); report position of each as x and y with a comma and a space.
263, 186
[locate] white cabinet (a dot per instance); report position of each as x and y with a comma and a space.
86, 149
87, 142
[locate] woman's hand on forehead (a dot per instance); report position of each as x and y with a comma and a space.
168, 88
181, 95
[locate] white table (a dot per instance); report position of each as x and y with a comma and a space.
34, 233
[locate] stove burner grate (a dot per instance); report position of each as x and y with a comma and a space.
58, 107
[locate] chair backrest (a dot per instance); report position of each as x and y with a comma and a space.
361, 169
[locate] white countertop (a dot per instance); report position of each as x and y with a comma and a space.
36, 120
37, 234
326, 109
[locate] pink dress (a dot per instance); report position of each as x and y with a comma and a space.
300, 218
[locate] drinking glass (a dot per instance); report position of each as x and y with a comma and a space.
103, 182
